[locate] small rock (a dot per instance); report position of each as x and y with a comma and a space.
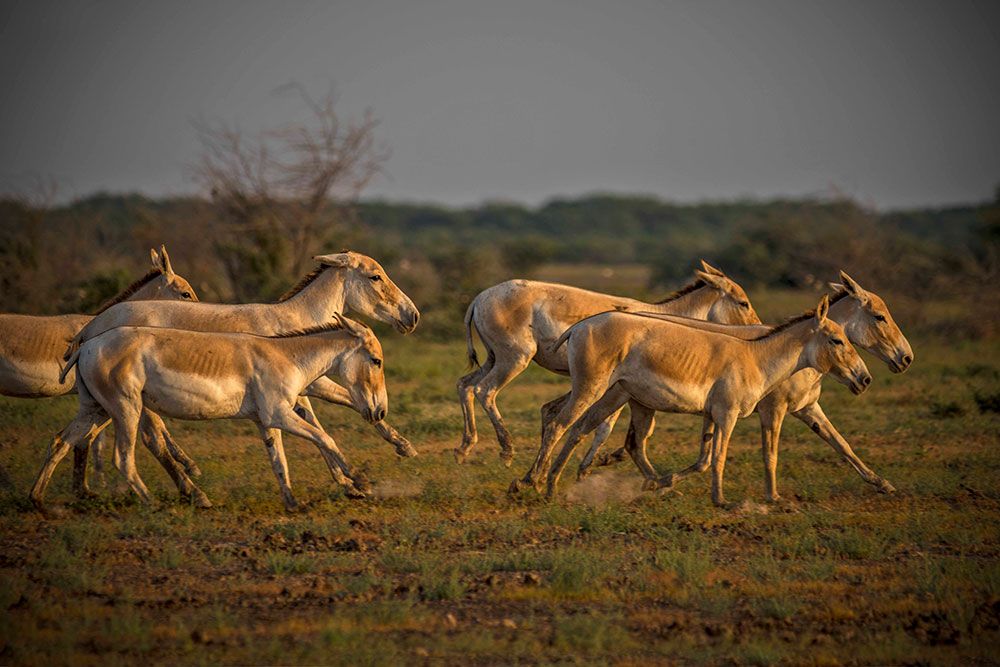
509, 623
422, 652
451, 620
531, 579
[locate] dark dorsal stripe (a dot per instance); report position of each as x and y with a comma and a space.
130, 290
684, 290
787, 323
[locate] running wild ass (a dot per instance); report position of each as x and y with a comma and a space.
616, 358
31, 346
200, 375
342, 281
868, 324
519, 320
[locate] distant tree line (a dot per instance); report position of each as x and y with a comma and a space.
69, 258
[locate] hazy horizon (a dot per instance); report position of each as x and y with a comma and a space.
891, 103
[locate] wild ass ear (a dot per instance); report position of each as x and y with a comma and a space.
713, 280
338, 260
165, 261
853, 288
352, 326
708, 268
822, 309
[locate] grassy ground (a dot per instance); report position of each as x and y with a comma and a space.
441, 566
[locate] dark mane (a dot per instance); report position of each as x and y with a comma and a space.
840, 294
309, 331
130, 290
684, 290
787, 323
302, 284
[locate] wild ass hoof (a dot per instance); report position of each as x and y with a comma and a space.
517, 486
192, 470
460, 456
405, 450
354, 493
361, 482
582, 473
85, 494
650, 484
200, 500
885, 487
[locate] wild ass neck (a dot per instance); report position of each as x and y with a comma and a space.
316, 302
780, 355
318, 354
695, 304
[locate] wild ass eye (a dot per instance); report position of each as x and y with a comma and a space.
745, 304
836, 341
377, 362
186, 295
375, 278
880, 318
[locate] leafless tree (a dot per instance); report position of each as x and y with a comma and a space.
277, 194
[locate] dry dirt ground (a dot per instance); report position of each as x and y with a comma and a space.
440, 566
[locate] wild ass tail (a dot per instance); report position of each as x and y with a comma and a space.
69, 364
562, 339
471, 353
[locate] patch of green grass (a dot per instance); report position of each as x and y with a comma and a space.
589, 633
283, 562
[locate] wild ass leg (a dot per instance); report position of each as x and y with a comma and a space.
585, 393
724, 423
609, 404
152, 436
466, 398
287, 420
331, 392
772, 415
814, 417
126, 419
601, 436
601, 433
156, 425
701, 465
639, 429
276, 452
505, 368
81, 451
90, 420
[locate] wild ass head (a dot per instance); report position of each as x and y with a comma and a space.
159, 283
731, 304
361, 370
369, 291
828, 350
870, 325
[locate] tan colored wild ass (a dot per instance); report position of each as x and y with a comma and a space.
519, 320
342, 281
615, 357
31, 346
868, 324
201, 375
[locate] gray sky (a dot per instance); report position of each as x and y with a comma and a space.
896, 103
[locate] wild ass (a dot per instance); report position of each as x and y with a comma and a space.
519, 320
661, 365
201, 375
868, 324
31, 347
342, 281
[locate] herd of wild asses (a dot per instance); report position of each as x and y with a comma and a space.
155, 349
